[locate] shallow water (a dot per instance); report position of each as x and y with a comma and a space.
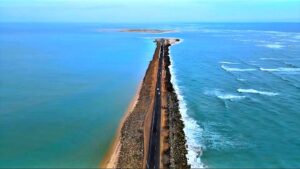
64, 88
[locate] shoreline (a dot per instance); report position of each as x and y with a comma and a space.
110, 159
176, 145
191, 128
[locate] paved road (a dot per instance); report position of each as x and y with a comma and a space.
154, 142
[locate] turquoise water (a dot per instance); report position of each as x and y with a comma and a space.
241, 94
63, 90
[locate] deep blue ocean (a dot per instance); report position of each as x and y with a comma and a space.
65, 87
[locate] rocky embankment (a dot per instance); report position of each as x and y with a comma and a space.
176, 150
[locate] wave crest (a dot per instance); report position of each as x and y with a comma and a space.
230, 63
231, 69
270, 59
257, 92
273, 46
281, 69
224, 96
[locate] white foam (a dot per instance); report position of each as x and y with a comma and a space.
229, 63
232, 69
230, 97
224, 96
281, 69
193, 132
273, 45
242, 80
257, 92
270, 59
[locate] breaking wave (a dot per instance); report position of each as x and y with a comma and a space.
273, 46
191, 129
270, 59
231, 69
230, 97
281, 69
224, 96
242, 80
230, 63
257, 92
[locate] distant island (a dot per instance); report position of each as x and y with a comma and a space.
152, 31
147, 30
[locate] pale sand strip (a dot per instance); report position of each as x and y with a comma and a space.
110, 159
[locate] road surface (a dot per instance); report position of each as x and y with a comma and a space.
153, 158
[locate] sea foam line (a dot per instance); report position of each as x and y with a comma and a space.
230, 97
229, 63
257, 92
191, 128
273, 46
232, 69
224, 96
270, 59
281, 69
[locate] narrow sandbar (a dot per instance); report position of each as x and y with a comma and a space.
130, 146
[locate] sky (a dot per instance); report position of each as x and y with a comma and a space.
149, 11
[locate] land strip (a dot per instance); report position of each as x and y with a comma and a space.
151, 136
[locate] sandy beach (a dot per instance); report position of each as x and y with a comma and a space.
111, 157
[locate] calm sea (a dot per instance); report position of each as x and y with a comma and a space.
64, 88
63, 91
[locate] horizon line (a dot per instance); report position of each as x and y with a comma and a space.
174, 22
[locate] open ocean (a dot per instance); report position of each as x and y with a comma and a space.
65, 87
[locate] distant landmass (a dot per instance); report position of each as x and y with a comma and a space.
147, 30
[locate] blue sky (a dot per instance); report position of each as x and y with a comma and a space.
149, 11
